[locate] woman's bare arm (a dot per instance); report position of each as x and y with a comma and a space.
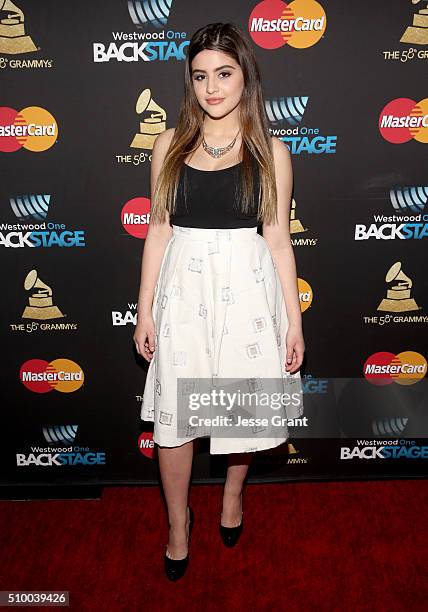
278, 235
158, 234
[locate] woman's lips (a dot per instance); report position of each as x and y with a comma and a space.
215, 101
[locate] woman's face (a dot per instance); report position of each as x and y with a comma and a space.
216, 75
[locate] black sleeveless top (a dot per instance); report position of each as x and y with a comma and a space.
213, 199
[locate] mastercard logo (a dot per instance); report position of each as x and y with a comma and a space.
299, 24
404, 119
33, 128
305, 294
406, 368
43, 376
135, 217
146, 444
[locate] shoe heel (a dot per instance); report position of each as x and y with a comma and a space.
176, 568
230, 535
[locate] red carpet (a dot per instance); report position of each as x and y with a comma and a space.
305, 546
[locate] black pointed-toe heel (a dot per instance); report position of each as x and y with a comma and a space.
230, 535
176, 568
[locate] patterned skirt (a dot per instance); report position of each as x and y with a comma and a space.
220, 323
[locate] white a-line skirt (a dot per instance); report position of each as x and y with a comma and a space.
219, 314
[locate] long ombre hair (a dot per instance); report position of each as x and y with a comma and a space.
256, 140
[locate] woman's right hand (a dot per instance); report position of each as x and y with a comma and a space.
144, 337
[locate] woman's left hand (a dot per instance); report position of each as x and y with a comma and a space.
295, 349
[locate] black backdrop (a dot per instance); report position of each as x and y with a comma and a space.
89, 175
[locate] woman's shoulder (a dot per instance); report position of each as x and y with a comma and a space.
280, 150
165, 137
161, 146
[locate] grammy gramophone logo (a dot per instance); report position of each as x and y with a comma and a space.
295, 224
40, 305
417, 34
398, 298
291, 449
13, 39
152, 124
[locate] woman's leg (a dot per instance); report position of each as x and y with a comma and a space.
175, 466
237, 469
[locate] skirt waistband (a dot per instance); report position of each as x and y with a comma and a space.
203, 234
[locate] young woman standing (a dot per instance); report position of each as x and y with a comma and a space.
216, 298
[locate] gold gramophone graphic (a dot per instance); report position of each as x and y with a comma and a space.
12, 34
151, 126
398, 295
417, 33
40, 301
291, 449
295, 225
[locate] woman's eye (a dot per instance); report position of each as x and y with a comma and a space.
201, 75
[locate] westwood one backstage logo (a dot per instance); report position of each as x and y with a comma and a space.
151, 39
384, 449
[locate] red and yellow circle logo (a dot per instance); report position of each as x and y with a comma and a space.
404, 119
43, 376
33, 128
135, 217
300, 24
406, 368
146, 444
305, 294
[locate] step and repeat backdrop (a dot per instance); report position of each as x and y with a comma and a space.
85, 89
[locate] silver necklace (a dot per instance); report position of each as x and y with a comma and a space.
218, 151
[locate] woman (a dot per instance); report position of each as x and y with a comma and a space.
216, 298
